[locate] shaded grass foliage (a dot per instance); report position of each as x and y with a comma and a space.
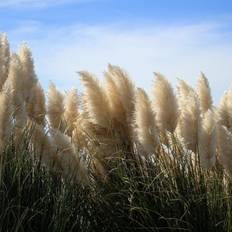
161, 194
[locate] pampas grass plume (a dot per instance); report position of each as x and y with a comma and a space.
5, 118
117, 109
36, 107
225, 110
224, 142
14, 81
55, 108
29, 78
188, 122
43, 147
165, 104
4, 58
71, 110
204, 93
125, 88
95, 101
145, 122
14, 86
207, 139
72, 166
184, 88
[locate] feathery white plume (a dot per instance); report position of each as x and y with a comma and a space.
145, 122
189, 113
207, 139
224, 141
5, 119
4, 58
29, 78
36, 107
204, 94
71, 110
125, 88
95, 101
55, 108
70, 162
225, 110
165, 104
14, 87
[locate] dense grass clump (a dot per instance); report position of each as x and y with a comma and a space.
164, 194
112, 158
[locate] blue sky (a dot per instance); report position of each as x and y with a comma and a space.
177, 38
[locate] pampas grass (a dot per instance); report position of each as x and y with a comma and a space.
225, 110
207, 140
184, 89
6, 112
71, 110
55, 108
14, 87
70, 163
224, 146
125, 89
36, 106
4, 59
113, 116
14, 81
95, 101
204, 94
146, 129
109, 158
120, 93
188, 121
29, 78
165, 104
113, 94
43, 148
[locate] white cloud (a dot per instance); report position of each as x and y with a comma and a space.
176, 51
35, 3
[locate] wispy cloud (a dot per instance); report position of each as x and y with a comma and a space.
177, 51
36, 3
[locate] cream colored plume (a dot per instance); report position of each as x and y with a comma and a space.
79, 134
224, 142
55, 108
125, 89
183, 92
71, 164
36, 107
184, 88
14, 87
4, 59
71, 110
43, 147
95, 101
14, 81
117, 109
225, 110
188, 122
5, 118
207, 140
204, 94
29, 78
20, 114
165, 104
146, 131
